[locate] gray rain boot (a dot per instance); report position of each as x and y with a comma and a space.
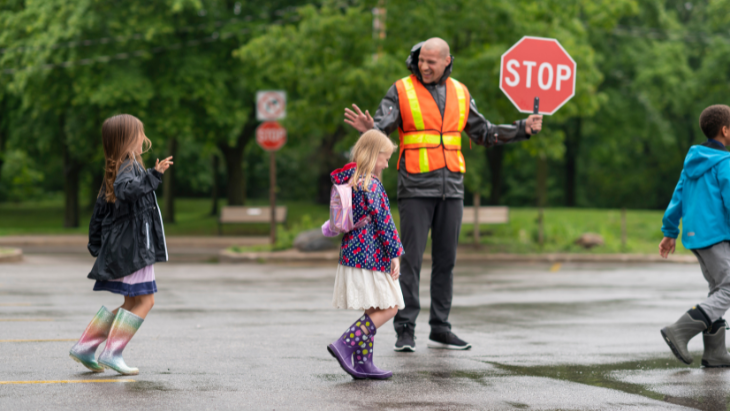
678, 334
715, 355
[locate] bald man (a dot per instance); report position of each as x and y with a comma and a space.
430, 110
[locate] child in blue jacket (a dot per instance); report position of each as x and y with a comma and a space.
702, 201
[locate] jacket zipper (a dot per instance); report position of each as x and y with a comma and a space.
147, 233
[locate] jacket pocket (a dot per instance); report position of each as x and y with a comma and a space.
147, 234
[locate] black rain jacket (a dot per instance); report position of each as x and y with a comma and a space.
443, 182
127, 235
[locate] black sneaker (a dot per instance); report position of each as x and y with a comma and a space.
406, 341
447, 341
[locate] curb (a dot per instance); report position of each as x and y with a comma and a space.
295, 256
11, 255
77, 240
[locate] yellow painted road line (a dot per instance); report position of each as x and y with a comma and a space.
14, 304
50, 340
555, 267
61, 381
24, 319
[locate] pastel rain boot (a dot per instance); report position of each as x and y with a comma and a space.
345, 347
84, 351
677, 335
125, 326
715, 355
364, 358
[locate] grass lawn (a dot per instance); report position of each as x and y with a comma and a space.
562, 226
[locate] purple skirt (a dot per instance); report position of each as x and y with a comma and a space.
140, 282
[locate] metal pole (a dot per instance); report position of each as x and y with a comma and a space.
476, 219
623, 229
541, 228
272, 195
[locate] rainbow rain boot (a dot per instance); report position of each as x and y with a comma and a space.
364, 358
84, 351
345, 346
125, 326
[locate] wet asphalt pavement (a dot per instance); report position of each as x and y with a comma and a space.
253, 337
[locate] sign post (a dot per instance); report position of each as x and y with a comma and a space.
538, 77
271, 136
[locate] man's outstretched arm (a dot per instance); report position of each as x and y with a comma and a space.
482, 132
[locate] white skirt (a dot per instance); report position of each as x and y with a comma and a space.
359, 289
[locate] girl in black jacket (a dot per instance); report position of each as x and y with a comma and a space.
127, 237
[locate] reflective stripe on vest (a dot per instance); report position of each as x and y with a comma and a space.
413, 102
462, 106
423, 157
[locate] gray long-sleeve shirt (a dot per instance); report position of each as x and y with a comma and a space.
443, 182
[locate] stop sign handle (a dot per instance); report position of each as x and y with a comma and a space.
535, 110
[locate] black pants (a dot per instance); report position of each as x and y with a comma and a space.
443, 218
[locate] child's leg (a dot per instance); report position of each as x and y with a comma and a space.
379, 316
128, 304
142, 305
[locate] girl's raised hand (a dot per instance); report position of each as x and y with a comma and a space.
395, 268
161, 167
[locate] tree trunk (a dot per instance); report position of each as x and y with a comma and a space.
71, 171
236, 189
495, 157
168, 187
214, 188
2, 151
328, 161
234, 170
572, 145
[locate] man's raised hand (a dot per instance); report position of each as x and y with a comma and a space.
533, 124
162, 166
360, 121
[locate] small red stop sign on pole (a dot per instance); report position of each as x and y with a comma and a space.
271, 136
537, 67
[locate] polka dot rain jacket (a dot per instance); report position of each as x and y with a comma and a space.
374, 245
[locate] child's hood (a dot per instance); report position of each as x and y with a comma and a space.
344, 174
701, 159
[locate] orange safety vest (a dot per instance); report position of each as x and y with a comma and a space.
429, 141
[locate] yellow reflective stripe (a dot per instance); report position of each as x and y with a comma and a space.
461, 96
413, 102
423, 159
462, 166
421, 138
452, 141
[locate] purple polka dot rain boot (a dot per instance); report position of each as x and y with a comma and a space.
364, 358
345, 347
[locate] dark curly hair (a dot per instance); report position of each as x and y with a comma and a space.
713, 118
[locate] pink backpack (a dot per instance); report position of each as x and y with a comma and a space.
341, 220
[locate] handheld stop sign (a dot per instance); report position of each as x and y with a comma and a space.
537, 75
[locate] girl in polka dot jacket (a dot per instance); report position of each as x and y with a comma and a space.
367, 275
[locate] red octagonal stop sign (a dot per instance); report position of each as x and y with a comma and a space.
537, 67
271, 136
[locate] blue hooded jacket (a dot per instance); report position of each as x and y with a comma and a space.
701, 199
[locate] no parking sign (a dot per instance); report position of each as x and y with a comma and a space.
270, 105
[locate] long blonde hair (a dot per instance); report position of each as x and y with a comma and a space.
365, 155
119, 135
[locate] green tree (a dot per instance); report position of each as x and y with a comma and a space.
325, 63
